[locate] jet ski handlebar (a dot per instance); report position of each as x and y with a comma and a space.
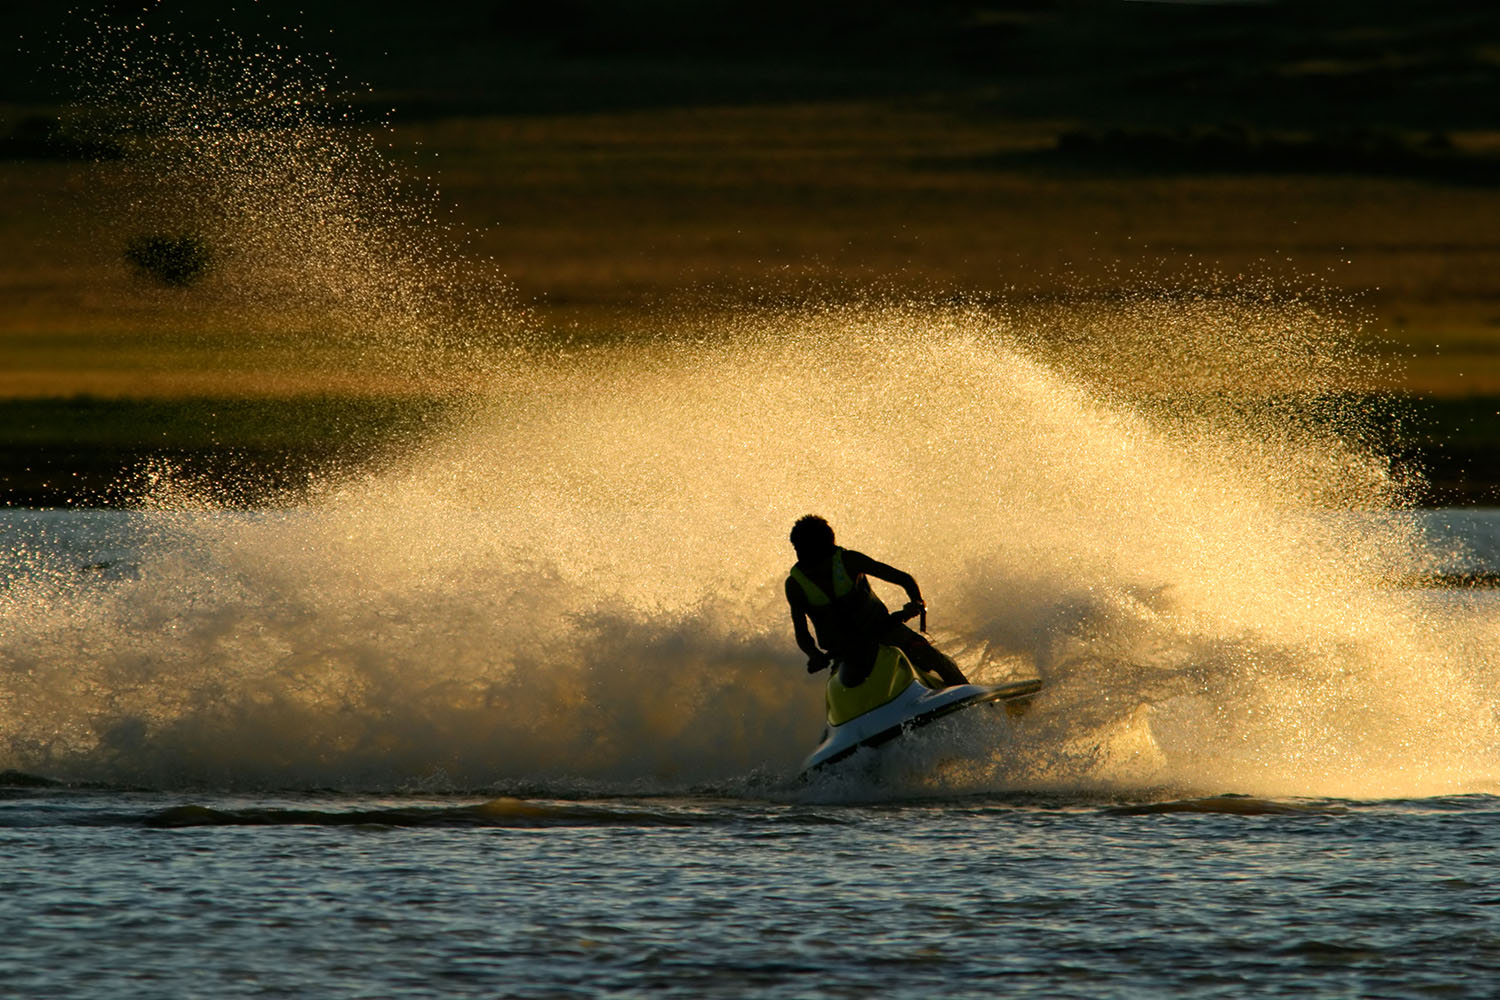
910, 611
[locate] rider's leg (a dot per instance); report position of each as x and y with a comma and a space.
923, 654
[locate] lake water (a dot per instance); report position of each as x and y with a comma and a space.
208, 827
343, 896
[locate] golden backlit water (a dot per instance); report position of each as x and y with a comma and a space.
518, 712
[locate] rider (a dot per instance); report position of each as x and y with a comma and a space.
830, 585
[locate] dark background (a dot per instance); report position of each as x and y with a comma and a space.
1127, 94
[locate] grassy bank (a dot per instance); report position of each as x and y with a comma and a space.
1455, 443
89, 451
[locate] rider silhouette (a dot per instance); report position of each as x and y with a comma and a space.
831, 586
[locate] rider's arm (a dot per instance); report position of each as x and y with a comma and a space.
858, 562
816, 658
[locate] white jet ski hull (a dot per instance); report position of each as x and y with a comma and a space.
914, 707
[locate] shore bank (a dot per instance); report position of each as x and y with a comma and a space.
93, 452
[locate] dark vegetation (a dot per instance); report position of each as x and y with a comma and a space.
1274, 66
37, 137
176, 261
1431, 156
101, 452
1450, 443
104, 452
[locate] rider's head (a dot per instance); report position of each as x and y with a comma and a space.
812, 537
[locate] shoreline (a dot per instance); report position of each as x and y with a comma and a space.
83, 452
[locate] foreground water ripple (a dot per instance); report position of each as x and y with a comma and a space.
1325, 899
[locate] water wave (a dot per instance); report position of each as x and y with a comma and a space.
580, 581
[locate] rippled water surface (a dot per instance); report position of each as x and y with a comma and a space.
620, 828
149, 895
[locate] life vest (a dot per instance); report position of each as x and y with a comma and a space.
843, 583
852, 609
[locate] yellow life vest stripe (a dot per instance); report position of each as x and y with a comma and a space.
843, 583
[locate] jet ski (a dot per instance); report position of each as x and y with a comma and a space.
895, 698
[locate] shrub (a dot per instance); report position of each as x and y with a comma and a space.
178, 261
